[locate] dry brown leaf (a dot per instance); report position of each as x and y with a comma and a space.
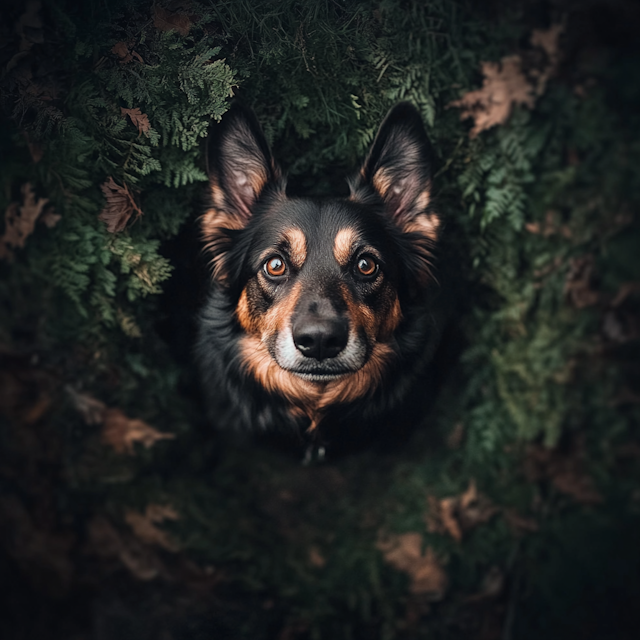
125, 55
549, 41
620, 327
492, 586
504, 86
549, 227
42, 554
20, 220
121, 50
627, 289
36, 150
120, 206
316, 559
449, 517
144, 525
456, 515
455, 438
50, 219
29, 28
626, 396
520, 524
140, 120
565, 469
173, 17
122, 433
578, 285
475, 508
404, 553
107, 542
91, 409
10, 237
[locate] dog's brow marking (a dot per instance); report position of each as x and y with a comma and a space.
297, 242
342, 245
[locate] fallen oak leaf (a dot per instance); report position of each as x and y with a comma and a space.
120, 206
29, 28
105, 541
492, 586
504, 86
566, 470
122, 433
144, 525
91, 409
50, 219
139, 119
43, 554
20, 220
578, 287
121, 49
36, 150
549, 41
448, 515
173, 18
316, 559
455, 515
626, 289
404, 553
520, 524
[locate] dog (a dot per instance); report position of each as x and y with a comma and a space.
323, 316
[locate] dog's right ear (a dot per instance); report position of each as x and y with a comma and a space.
240, 167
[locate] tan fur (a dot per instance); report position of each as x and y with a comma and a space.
213, 224
426, 225
297, 242
312, 398
390, 321
307, 397
343, 244
273, 320
381, 182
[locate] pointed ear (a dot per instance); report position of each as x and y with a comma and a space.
398, 170
240, 168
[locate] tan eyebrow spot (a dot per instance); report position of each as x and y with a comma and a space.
343, 244
297, 242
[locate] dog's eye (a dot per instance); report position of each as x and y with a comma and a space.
366, 266
275, 267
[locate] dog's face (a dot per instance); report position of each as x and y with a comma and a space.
319, 286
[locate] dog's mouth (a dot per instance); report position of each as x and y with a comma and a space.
320, 376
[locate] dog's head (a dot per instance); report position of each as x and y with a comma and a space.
319, 287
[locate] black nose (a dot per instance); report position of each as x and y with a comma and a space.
320, 338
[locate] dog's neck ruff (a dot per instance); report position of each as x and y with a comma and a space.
311, 398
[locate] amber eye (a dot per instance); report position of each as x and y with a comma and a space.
275, 267
366, 266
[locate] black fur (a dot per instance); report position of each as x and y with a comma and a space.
401, 158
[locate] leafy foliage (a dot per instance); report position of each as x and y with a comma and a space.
107, 106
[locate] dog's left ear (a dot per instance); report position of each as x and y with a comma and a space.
240, 168
398, 169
